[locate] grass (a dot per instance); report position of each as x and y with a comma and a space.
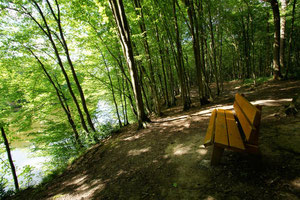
259, 80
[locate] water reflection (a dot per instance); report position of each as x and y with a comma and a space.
23, 156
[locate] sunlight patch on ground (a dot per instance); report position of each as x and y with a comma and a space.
137, 152
207, 112
220, 106
187, 125
296, 183
131, 138
209, 198
183, 117
181, 150
85, 191
202, 151
288, 88
120, 172
77, 180
270, 102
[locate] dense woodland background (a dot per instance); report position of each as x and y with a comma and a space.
67, 65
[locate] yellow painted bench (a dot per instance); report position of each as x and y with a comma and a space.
235, 131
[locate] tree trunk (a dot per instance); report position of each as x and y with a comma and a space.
213, 50
153, 87
196, 48
124, 35
65, 46
12, 166
61, 98
49, 33
171, 77
112, 90
144, 93
268, 46
130, 99
276, 45
163, 66
221, 60
181, 75
207, 91
246, 49
290, 40
282, 33
126, 122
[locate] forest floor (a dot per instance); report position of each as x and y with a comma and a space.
168, 161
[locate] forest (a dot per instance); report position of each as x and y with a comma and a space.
75, 74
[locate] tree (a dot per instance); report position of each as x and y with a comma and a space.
276, 45
290, 39
196, 48
153, 84
282, 33
12, 166
181, 73
61, 98
125, 39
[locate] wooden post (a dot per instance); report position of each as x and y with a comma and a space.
216, 155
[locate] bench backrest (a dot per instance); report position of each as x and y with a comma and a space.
249, 118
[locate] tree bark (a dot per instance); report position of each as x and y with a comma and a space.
181, 75
112, 90
196, 47
163, 66
171, 77
124, 35
126, 122
65, 46
276, 45
130, 99
290, 40
213, 50
61, 99
12, 166
207, 91
144, 93
48, 33
282, 33
152, 83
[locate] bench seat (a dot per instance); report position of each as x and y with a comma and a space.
237, 131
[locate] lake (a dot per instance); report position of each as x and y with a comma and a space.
22, 156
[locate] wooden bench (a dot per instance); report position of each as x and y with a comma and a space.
235, 131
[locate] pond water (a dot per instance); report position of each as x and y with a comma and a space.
23, 156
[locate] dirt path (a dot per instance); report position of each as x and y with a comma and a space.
167, 160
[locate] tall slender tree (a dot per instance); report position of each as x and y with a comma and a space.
12, 166
118, 11
181, 73
276, 45
282, 33
153, 84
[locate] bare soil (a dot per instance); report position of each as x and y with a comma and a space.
168, 161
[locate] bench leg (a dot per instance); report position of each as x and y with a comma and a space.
216, 155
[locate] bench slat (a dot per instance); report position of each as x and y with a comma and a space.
251, 112
247, 127
221, 138
234, 136
209, 137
